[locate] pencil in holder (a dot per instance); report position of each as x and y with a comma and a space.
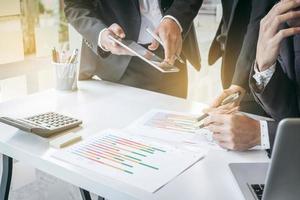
66, 75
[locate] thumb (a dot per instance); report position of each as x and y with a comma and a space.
217, 102
154, 45
117, 30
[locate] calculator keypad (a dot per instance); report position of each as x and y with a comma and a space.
53, 120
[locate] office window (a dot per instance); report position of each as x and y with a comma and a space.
30, 27
29, 30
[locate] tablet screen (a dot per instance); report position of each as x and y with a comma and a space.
146, 55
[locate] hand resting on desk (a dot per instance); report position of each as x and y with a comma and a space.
232, 130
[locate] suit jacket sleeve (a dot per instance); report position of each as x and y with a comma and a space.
280, 97
248, 52
81, 16
184, 11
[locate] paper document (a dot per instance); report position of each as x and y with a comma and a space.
170, 126
145, 164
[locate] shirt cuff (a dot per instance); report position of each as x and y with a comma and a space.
263, 78
174, 19
264, 135
99, 41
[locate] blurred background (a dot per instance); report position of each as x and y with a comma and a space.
29, 29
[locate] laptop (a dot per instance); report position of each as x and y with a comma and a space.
279, 179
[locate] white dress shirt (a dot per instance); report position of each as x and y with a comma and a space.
264, 135
262, 78
151, 16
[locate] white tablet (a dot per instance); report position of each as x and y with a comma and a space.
146, 55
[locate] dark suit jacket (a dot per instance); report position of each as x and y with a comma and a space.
281, 97
239, 34
89, 17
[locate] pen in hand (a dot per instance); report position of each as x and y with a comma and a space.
230, 99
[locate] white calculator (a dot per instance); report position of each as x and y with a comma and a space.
44, 125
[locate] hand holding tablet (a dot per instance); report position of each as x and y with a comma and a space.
144, 54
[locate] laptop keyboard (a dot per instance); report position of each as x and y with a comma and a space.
258, 190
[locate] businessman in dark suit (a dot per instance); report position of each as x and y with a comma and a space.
274, 81
235, 42
172, 20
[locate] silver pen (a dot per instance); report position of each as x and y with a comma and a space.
230, 99
157, 38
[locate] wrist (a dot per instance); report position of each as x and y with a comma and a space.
169, 17
237, 88
261, 66
257, 136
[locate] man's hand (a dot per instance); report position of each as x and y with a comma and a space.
170, 34
231, 90
110, 45
234, 131
270, 35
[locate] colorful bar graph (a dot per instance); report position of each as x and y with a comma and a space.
124, 157
173, 122
103, 163
118, 153
149, 147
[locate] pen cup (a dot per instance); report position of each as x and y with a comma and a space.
66, 76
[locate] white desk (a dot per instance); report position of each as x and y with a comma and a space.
104, 105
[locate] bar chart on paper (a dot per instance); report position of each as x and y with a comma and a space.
173, 122
133, 160
168, 121
173, 127
113, 151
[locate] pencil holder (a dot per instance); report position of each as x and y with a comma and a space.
66, 76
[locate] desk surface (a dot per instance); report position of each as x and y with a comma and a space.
104, 105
